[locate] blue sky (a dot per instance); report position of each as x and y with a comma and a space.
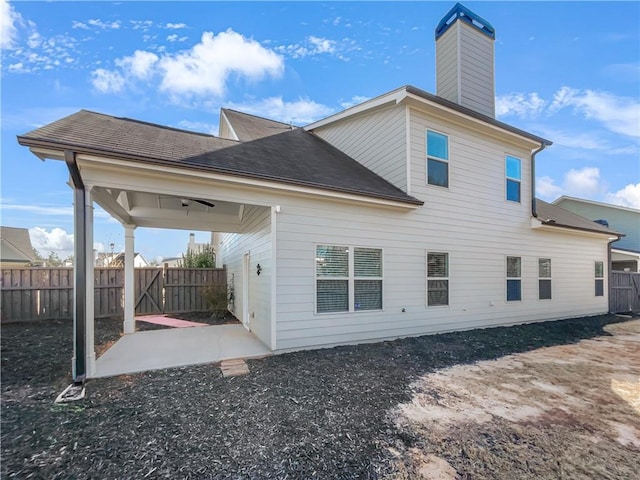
567, 71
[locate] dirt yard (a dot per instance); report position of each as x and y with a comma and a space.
568, 411
469, 405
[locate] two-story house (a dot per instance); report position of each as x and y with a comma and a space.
411, 213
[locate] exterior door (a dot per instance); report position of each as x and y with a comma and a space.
246, 303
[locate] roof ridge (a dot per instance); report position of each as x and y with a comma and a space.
152, 124
255, 116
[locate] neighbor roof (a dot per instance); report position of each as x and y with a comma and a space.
293, 157
554, 215
249, 127
15, 245
563, 198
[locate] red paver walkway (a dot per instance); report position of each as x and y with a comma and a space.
169, 322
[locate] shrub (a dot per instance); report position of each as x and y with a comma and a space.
215, 297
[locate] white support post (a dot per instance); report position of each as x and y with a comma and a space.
129, 287
90, 287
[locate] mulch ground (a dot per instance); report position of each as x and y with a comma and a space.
321, 414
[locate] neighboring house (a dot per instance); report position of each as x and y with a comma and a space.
15, 247
138, 261
171, 262
625, 253
408, 214
104, 259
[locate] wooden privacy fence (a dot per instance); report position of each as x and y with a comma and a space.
47, 293
625, 292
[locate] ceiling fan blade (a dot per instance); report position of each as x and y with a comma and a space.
204, 202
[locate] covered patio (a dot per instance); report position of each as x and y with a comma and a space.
156, 349
142, 179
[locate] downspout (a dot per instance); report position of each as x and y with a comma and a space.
534, 212
80, 261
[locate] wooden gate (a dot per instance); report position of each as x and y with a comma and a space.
149, 291
625, 292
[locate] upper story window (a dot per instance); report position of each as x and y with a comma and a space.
514, 178
437, 159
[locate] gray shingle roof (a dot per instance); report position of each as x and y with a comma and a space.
15, 245
293, 157
554, 215
249, 127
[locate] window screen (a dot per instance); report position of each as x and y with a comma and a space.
599, 274
513, 178
437, 159
544, 278
437, 279
514, 282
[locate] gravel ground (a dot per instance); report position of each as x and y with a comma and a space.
321, 414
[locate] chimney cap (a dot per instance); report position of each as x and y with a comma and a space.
461, 12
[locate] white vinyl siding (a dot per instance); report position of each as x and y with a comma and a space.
465, 68
377, 141
255, 239
437, 279
544, 279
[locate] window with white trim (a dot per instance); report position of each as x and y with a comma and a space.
437, 159
437, 279
599, 274
348, 279
514, 279
513, 170
544, 278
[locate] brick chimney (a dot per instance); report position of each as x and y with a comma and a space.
465, 60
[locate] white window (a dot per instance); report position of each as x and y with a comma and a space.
348, 279
437, 279
514, 279
599, 274
544, 278
513, 168
437, 159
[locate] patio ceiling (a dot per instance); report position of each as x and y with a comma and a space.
168, 211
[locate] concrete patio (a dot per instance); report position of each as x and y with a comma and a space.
177, 347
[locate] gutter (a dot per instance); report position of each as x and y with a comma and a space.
79, 370
543, 145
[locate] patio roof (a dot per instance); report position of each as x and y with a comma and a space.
294, 157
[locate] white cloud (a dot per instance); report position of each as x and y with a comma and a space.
628, 196
8, 20
300, 112
205, 68
199, 126
583, 183
139, 65
80, 25
107, 82
57, 240
175, 26
312, 46
172, 38
618, 114
40, 210
519, 104
546, 188
96, 22
355, 100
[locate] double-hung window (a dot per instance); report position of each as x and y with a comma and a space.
437, 159
437, 279
348, 278
599, 274
514, 279
513, 168
544, 278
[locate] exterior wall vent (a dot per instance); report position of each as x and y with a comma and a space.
465, 60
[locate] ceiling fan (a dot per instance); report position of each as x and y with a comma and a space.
187, 201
